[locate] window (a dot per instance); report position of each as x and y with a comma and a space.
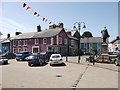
14, 43
36, 41
60, 40
25, 49
19, 42
72, 42
65, 41
44, 41
25, 42
14, 50
19, 49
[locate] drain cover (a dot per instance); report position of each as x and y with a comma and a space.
58, 75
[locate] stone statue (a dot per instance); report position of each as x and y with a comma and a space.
105, 34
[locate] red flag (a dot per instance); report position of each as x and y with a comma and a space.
38, 15
46, 20
27, 8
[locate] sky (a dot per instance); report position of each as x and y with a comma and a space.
95, 15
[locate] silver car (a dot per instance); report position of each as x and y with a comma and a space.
56, 59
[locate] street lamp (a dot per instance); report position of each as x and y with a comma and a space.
79, 27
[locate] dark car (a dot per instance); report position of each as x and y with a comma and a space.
35, 59
46, 55
3, 60
22, 55
9, 55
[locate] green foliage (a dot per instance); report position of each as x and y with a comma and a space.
87, 34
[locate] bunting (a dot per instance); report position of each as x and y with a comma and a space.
35, 13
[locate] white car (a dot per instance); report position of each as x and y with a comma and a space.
56, 59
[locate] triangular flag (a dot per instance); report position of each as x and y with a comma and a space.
50, 22
43, 19
35, 13
46, 20
27, 8
38, 15
24, 5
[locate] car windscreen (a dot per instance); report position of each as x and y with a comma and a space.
56, 56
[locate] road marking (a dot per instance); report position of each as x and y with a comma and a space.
79, 78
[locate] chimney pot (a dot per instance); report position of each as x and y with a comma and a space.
38, 28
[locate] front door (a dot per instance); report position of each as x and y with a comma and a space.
35, 49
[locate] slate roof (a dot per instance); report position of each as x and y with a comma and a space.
71, 37
91, 40
42, 34
24, 35
48, 33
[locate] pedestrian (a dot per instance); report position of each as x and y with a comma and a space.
93, 59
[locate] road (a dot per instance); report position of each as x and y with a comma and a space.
20, 75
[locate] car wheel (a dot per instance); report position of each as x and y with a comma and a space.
50, 64
17, 59
29, 64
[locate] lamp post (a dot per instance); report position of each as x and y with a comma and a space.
79, 28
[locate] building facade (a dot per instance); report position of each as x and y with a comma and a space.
91, 44
53, 39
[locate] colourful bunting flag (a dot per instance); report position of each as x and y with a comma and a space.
38, 15
24, 5
43, 19
35, 13
46, 20
50, 22
27, 8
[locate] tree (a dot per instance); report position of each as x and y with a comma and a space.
87, 34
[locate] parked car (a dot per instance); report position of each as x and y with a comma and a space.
22, 55
56, 59
35, 59
3, 60
9, 55
46, 55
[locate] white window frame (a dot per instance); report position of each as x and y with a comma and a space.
19, 42
25, 49
44, 40
72, 42
60, 40
14, 50
25, 42
19, 49
36, 41
14, 42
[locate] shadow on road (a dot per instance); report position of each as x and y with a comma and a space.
59, 65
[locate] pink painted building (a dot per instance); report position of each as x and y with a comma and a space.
54, 39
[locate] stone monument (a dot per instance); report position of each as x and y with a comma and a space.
105, 36
104, 57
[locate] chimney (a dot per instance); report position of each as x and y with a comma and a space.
17, 33
38, 28
8, 35
61, 25
52, 26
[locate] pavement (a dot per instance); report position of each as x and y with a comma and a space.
108, 66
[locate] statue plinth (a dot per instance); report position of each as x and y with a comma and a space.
104, 57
